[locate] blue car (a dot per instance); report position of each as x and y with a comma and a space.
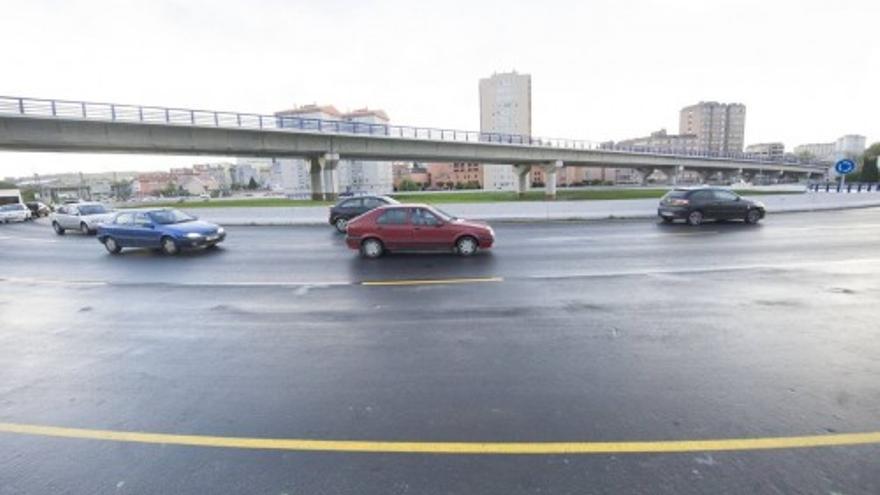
160, 228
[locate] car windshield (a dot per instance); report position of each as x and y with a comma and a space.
91, 209
446, 217
170, 216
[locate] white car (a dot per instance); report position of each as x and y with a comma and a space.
83, 217
15, 212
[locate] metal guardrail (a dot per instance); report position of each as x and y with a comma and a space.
115, 112
849, 187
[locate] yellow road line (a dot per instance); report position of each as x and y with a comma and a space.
497, 448
438, 281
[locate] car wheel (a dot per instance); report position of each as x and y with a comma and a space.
58, 229
695, 218
169, 247
84, 229
372, 248
112, 246
753, 216
341, 224
466, 246
667, 219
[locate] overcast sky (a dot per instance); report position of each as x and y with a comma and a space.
807, 70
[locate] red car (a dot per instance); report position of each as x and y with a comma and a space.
415, 228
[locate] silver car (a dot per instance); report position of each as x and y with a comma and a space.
83, 217
15, 212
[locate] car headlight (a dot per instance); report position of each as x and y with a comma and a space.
221, 231
193, 235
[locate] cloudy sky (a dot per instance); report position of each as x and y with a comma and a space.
808, 70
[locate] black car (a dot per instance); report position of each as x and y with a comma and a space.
38, 209
348, 208
696, 205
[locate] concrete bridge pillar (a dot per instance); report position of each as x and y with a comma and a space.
550, 171
675, 174
645, 172
315, 176
323, 177
522, 175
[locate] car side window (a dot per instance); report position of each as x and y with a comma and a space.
725, 196
353, 203
422, 216
124, 219
142, 219
62, 210
396, 216
700, 196
373, 202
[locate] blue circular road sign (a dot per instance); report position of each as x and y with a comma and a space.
845, 166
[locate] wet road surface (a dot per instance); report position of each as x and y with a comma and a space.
576, 332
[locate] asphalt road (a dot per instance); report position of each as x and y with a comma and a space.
576, 332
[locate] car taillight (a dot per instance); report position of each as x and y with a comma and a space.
678, 202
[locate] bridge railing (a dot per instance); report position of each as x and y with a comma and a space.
116, 112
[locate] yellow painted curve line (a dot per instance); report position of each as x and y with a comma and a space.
437, 281
495, 448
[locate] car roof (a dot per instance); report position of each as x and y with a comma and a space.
145, 210
405, 205
702, 188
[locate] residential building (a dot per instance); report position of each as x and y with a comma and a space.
505, 108
767, 151
412, 172
457, 175
359, 176
848, 146
719, 127
662, 141
823, 152
258, 169
150, 184
292, 175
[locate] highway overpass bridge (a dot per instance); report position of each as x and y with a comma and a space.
29, 124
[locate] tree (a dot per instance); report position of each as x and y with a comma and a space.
170, 189
408, 185
869, 163
5, 184
870, 172
252, 184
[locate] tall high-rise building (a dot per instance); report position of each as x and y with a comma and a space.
719, 127
505, 108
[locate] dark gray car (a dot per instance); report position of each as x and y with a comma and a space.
348, 208
696, 205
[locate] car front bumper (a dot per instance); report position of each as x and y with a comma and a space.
209, 240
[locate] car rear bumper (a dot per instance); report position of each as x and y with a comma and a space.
672, 212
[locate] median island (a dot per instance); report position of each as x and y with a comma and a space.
441, 197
